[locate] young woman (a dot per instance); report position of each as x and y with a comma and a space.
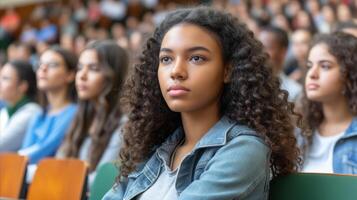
94, 135
207, 118
55, 78
331, 105
18, 90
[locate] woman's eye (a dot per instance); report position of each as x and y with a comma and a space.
326, 67
94, 67
308, 66
5, 78
165, 60
197, 59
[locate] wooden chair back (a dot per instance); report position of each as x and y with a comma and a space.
12, 174
59, 179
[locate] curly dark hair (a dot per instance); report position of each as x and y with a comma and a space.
252, 96
343, 47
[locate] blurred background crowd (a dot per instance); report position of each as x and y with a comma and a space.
27, 30
30, 28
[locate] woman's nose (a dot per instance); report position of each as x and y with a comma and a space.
313, 72
179, 70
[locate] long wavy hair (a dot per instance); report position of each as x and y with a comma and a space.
343, 47
114, 62
252, 97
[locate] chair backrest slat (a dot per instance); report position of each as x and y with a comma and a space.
103, 181
312, 186
59, 179
12, 174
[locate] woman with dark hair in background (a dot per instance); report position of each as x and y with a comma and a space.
330, 105
95, 132
207, 119
55, 79
18, 90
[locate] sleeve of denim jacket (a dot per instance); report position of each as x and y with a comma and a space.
238, 170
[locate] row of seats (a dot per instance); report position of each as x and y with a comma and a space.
66, 179
54, 179
314, 186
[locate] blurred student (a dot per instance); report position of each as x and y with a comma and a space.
330, 105
276, 41
295, 66
18, 90
55, 79
95, 133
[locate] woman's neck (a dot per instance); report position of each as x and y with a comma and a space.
196, 124
337, 118
57, 100
15, 100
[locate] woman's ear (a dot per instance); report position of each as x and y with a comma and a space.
227, 72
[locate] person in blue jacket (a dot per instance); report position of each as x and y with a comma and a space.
207, 119
330, 105
55, 79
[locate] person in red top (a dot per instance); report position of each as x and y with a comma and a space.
10, 21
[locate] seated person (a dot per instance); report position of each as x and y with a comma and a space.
18, 90
95, 132
55, 79
207, 119
330, 106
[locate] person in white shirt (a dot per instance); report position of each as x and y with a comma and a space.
330, 105
18, 90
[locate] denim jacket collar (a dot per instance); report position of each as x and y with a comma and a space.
352, 129
216, 136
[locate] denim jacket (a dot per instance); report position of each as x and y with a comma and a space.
345, 151
230, 161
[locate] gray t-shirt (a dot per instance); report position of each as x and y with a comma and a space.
164, 187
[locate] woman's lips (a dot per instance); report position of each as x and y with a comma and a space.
312, 86
177, 91
81, 87
42, 78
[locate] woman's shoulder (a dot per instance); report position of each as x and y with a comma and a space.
72, 107
243, 132
3, 112
245, 141
30, 107
244, 147
69, 110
